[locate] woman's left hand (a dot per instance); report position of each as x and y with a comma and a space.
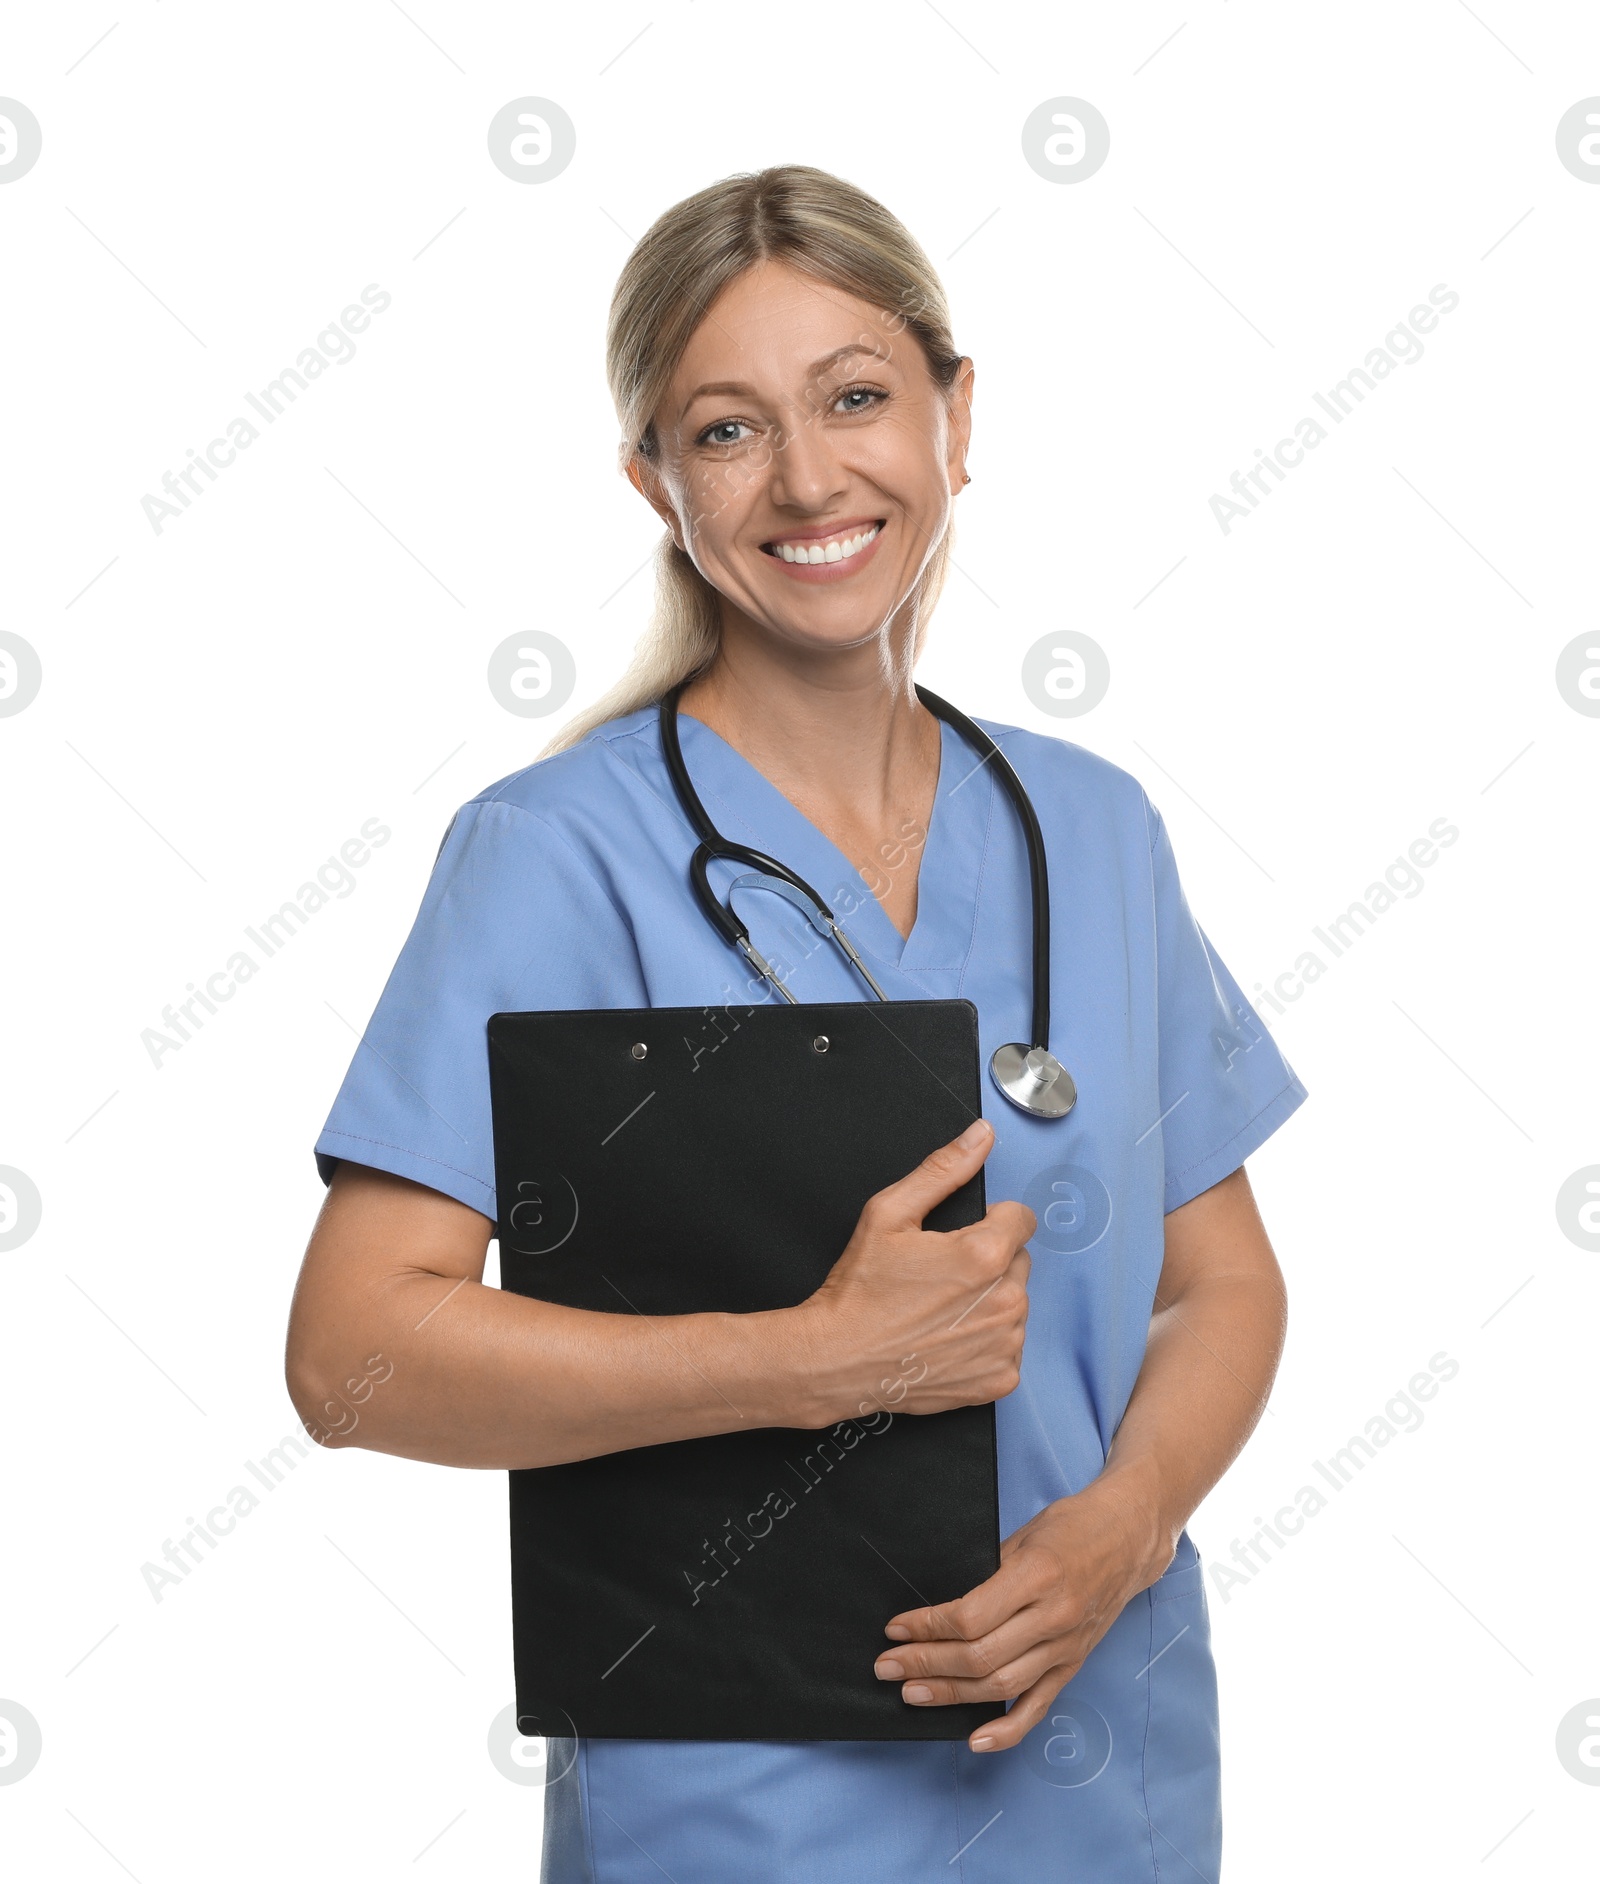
1021, 1636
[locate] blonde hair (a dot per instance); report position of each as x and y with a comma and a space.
816, 223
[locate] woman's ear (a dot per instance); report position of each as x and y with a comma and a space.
959, 434
642, 475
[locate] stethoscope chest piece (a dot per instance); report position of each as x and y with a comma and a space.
1034, 1079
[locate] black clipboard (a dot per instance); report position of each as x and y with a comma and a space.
732, 1587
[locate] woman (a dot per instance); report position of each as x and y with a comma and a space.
795, 411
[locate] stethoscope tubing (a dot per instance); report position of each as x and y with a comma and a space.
714, 844
1038, 866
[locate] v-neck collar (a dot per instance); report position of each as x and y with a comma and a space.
746, 806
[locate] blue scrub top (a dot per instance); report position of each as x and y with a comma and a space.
565, 886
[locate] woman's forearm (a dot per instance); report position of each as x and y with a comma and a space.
1215, 1340
396, 1344
468, 1375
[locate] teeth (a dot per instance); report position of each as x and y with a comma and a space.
836, 551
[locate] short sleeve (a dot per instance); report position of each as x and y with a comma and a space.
512, 919
1225, 1087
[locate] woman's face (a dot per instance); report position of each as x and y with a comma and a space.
807, 457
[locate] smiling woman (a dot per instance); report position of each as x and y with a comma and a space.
731, 411
796, 413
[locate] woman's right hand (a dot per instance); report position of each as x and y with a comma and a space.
912, 1320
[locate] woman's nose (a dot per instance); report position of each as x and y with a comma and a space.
806, 470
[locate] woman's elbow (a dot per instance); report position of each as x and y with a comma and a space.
323, 1415
332, 1398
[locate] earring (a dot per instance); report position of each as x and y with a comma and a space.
966, 477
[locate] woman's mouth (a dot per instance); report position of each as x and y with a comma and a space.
836, 547
825, 552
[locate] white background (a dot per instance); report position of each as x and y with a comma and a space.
226, 702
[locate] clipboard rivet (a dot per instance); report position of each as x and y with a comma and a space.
638, 1049
820, 1044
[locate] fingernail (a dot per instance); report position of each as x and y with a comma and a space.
981, 1743
916, 1691
974, 1135
890, 1671
897, 1632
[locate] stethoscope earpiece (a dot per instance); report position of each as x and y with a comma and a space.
815, 912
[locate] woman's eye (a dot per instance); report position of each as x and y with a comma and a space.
860, 398
724, 432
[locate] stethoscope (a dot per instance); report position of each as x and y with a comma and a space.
1030, 1076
